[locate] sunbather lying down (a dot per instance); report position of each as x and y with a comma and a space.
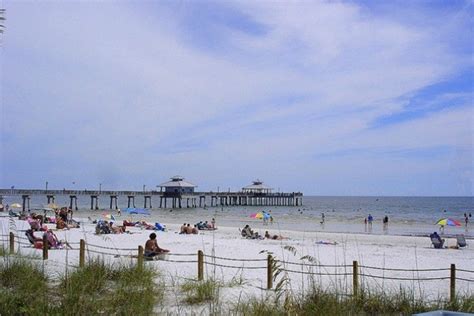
275, 237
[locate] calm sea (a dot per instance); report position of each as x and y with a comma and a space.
407, 215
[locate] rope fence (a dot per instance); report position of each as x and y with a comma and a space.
273, 266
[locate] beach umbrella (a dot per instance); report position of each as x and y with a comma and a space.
52, 206
16, 205
258, 215
140, 211
448, 222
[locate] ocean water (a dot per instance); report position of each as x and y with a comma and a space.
407, 215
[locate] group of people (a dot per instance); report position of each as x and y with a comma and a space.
187, 229
247, 232
63, 220
207, 226
105, 227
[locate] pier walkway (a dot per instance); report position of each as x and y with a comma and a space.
175, 199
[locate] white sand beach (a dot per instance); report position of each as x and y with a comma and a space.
382, 251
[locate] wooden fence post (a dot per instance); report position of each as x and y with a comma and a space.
355, 278
45, 247
200, 265
269, 272
82, 253
452, 289
12, 243
140, 257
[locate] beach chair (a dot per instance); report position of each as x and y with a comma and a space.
461, 241
35, 241
437, 243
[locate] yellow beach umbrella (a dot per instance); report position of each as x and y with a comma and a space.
16, 205
52, 205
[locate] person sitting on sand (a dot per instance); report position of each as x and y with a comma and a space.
102, 227
35, 225
60, 223
247, 232
189, 229
183, 229
54, 242
151, 247
437, 237
116, 229
201, 225
195, 230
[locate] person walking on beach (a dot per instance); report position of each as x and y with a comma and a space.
323, 218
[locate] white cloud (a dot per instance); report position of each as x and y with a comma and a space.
109, 87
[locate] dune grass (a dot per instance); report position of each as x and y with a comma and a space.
98, 288
197, 292
108, 289
23, 288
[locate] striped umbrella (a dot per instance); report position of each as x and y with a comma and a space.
448, 222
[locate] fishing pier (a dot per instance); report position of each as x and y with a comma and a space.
176, 193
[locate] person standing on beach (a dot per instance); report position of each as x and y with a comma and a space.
370, 219
213, 223
385, 223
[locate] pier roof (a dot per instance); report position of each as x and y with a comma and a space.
257, 185
177, 181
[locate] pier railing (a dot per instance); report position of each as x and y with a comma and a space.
270, 265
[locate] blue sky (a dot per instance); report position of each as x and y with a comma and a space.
327, 98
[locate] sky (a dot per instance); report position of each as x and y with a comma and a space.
321, 97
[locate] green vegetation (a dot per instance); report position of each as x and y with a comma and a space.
200, 291
320, 302
95, 289
23, 288
105, 288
